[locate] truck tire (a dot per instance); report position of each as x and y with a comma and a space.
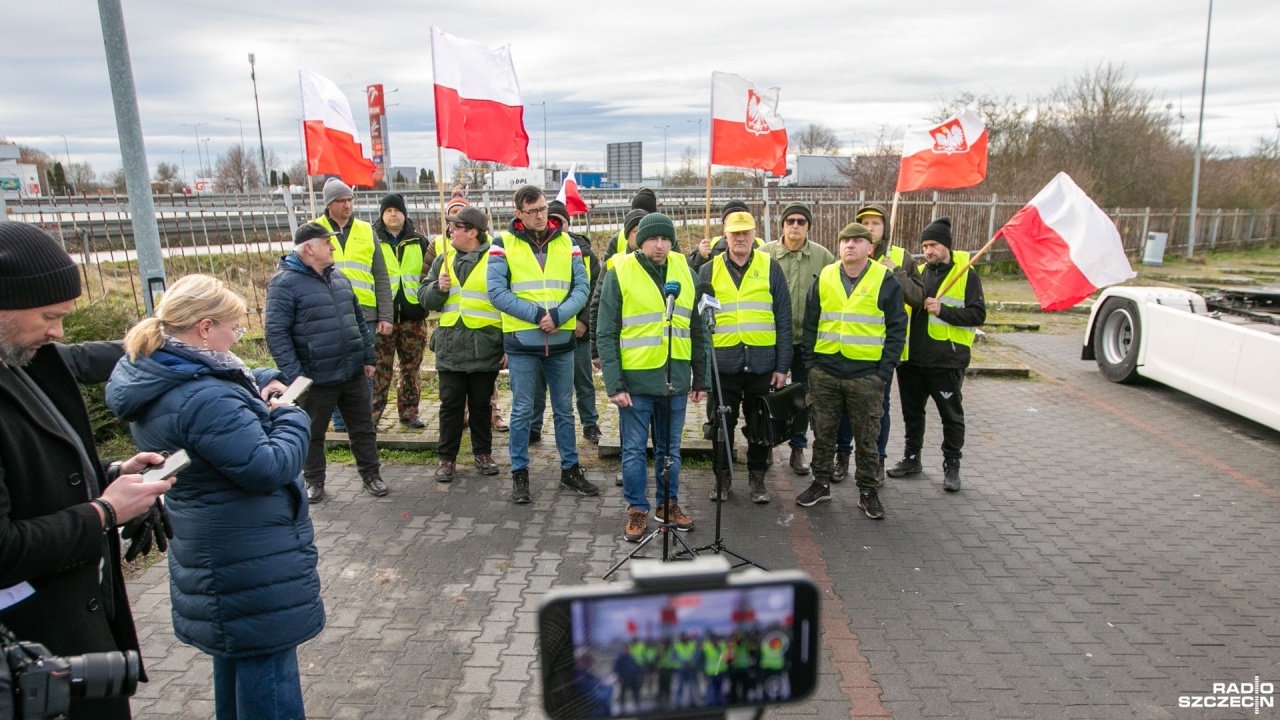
1117, 337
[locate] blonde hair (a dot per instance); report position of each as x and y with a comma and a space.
188, 301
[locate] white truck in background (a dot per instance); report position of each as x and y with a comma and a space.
1223, 348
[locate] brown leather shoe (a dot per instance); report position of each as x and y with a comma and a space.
445, 471
674, 515
498, 423
637, 523
486, 465
798, 464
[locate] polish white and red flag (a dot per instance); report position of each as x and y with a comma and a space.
478, 107
1066, 245
947, 156
746, 130
333, 147
569, 195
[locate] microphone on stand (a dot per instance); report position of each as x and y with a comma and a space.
671, 290
708, 300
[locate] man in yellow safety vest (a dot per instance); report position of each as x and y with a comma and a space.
404, 251
752, 341
639, 344
854, 330
942, 331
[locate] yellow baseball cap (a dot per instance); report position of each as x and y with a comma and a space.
738, 222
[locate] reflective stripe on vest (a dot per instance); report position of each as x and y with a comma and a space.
940, 329
643, 337
545, 287
469, 300
899, 258
851, 325
356, 260
746, 312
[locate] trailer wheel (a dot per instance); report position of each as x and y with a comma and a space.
1117, 336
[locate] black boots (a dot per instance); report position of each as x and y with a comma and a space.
951, 475
908, 465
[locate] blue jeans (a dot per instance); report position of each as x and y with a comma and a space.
644, 410
338, 425
556, 373
584, 390
262, 687
844, 435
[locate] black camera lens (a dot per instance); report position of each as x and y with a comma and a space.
105, 674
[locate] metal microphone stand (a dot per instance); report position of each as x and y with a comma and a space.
666, 528
717, 545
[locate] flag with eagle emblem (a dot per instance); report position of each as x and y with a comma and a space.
950, 155
746, 130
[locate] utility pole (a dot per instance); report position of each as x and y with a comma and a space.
1195, 170
699, 140
195, 129
66, 147
142, 210
262, 148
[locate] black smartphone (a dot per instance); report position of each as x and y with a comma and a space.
675, 651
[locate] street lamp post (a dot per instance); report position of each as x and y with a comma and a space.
663, 128
262, 148
185, 179
208, 159
243, 169
66, 147
1195, 170
699, 121
195, 130
544, 136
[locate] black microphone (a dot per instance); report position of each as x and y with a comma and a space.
671, 290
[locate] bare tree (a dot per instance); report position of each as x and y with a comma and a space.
81, 176
236, 171
816, 139
876, 171
115, 181
688, 175
168, 178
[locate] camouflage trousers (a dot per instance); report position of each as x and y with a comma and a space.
408, 340
862, 398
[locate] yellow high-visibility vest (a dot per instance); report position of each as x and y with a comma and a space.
470, 300
405, 271
899, 257
545, 287
939, 329
851, 325
356, 260
643, 337
746, 312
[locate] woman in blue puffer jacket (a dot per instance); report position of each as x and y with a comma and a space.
242, 563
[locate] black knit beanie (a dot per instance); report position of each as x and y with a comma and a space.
938, 231
393, 200
632, 219
645, 200
796, 209
555, 208
34, 269
732, 206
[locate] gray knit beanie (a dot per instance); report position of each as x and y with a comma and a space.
335, 189
34, 269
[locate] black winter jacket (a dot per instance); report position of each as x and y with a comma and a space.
926, 352
745, 358
314, 325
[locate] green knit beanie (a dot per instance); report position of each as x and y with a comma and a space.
655, 225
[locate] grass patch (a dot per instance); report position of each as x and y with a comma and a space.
343, 456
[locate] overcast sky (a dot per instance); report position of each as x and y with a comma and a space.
613, 72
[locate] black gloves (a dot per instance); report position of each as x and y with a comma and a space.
150, 527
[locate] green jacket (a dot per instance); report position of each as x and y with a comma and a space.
800, 268
694, 374
460, 348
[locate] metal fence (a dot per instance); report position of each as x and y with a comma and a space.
240, 238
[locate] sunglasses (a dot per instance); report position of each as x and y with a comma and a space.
796, 221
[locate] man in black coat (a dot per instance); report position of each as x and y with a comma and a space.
316, 329
60, 576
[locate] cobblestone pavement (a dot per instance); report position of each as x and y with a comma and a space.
1114, 548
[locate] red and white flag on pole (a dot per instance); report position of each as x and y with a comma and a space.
333, 147
1066, 245
950, 155
478, 108
746, 130
569, 195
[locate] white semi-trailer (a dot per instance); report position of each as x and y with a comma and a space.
1223, 348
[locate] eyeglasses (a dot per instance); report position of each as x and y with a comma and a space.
460, 226
535, 211
240, 331
796, 221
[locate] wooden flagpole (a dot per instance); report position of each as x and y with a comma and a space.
972, 259
893, 223
444, 222
706, 223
